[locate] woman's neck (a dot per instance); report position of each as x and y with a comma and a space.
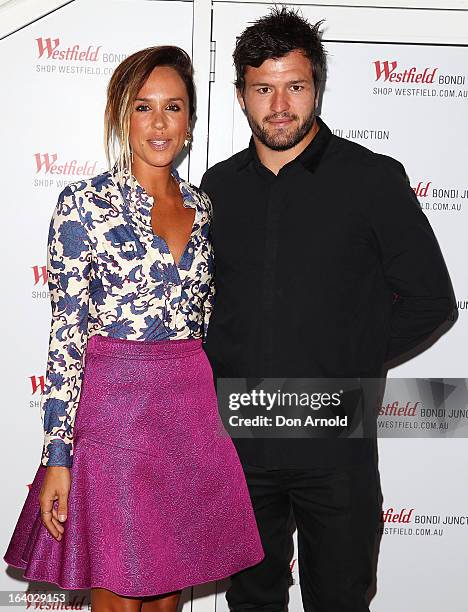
157, 182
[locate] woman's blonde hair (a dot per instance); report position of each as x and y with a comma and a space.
127, 80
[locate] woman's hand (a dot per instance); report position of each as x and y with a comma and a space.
56, 486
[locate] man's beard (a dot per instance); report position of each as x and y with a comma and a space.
282, 140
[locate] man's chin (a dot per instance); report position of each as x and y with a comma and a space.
280, 144
280, 147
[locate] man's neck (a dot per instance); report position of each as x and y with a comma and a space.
275, 160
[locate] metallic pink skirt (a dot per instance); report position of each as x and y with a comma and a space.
158, 499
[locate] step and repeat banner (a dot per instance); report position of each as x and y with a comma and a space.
409, 101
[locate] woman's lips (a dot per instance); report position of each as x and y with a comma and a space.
159, 145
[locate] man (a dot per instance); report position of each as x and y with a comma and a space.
325, 267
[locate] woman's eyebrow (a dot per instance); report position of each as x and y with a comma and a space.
149, 99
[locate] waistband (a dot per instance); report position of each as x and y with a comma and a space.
147, 349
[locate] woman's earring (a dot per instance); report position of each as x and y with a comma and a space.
131, 156
188, 139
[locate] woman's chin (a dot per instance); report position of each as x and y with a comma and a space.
160, 160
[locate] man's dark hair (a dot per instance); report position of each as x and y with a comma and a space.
273, 36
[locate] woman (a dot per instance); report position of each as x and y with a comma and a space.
143, 494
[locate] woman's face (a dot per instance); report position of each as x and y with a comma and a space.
160, 119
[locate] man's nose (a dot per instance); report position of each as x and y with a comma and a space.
279, 102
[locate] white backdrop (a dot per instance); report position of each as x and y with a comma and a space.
52, 134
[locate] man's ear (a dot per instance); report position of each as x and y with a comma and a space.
240, 98
317, 97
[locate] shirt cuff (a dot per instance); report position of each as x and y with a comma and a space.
57, 453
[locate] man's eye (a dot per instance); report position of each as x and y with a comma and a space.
173, 107
297, 87
263, 90
141, 108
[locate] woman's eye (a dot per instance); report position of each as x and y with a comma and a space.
141, 108
173, 107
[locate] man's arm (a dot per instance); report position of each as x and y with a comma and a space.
412, 262
206, 184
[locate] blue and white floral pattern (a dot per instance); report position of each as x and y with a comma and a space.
109, 274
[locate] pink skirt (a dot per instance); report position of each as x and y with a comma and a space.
158, 499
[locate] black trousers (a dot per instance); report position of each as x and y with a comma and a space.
337, 514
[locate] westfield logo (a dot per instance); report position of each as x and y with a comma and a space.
422, 189
389, 71
40, 274
37, 382
47, 163
397, 409
49, 48
392, 516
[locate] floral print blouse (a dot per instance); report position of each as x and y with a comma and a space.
109, 274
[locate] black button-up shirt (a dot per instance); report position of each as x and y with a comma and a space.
328, 269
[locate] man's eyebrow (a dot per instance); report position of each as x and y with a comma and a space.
294, 82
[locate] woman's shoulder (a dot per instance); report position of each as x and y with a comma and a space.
99, 184
191, 190
89, 197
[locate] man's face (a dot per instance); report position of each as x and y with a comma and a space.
279, 100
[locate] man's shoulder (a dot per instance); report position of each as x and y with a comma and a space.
358, 158
225, 169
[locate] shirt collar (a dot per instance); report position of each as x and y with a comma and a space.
310, 157
140, 202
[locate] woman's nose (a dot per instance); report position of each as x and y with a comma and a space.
158, 120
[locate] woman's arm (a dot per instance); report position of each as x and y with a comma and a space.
68, 268
210, 297
208, 308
